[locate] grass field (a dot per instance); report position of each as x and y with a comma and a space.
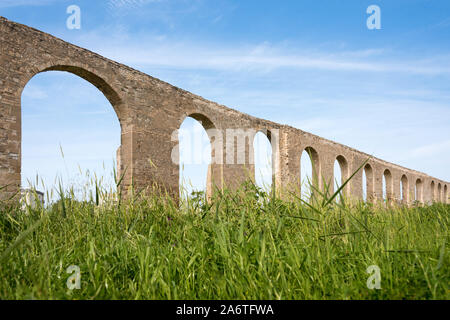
240, 245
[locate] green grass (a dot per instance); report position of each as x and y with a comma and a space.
239, 245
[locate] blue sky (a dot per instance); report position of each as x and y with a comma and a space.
310, 64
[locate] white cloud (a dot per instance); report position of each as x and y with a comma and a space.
129, 3
160, 51
432, 149
34, 92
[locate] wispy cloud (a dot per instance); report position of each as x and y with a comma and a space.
431, 149
263, 57
20, 3
129, 3
343, 96
441, 24
34, 92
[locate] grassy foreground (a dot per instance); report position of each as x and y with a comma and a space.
242, 245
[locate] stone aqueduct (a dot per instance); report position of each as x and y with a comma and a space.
150, 110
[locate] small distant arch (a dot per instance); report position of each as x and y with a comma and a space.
439, 193
433, 191
387, 185
196, 153
404, 187
263, 160
418, 190
445, 194
340, 174
204, 120
210, 129
368, 184
309, 171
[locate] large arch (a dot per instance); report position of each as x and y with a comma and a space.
84, 72
92, 77
27, 52
60, 149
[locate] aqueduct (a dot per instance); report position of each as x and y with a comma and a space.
150, 111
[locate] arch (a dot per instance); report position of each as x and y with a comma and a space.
368, 188
387, 185
418, 191
204, 120
214, 135
263, 160
439, 192
63, 148
90, 76
197, 155
404, 187
340, 175
433, 191
106, 87
445, 194
364, 185
309, 172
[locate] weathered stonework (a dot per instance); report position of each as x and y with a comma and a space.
150, 110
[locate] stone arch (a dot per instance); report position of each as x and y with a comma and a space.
204, 120
85, 72
389, 187
439, 193
445, 194
67, 80
433, 191
313, 156
344, 167
215, 141
123, 162
404, 190
418, 191
370, 185
268, 134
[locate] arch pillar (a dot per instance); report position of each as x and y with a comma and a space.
419, 190
390, 187
238, 157
326, 175
378, 183
370, 183
10, 136
356, 184
405, 190
289, 155
396, 192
